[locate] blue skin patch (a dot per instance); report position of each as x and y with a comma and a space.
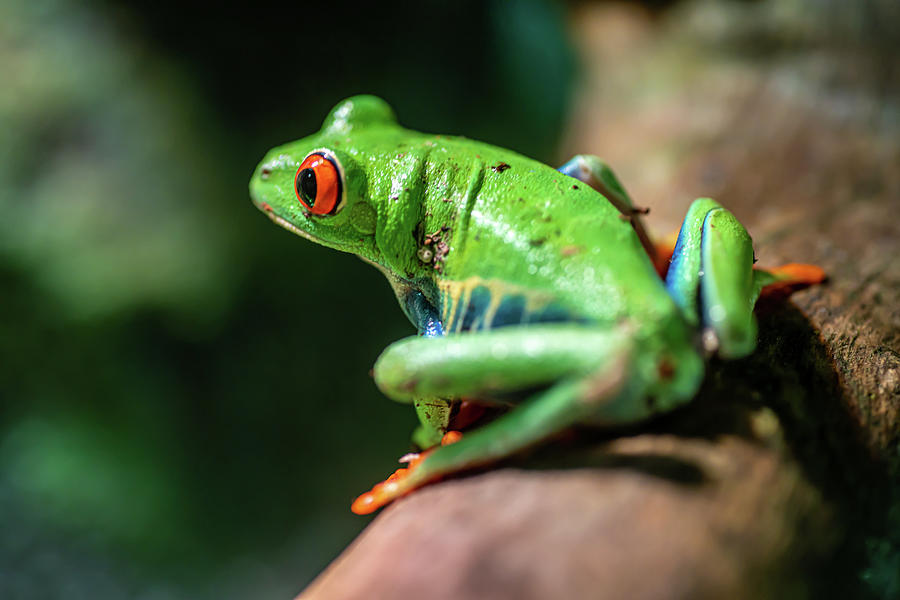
423, 315
552, 314
510, 312
674, 275
471, 314
479, 300
675, 267
572, 169
701, 297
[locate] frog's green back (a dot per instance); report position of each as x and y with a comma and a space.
521, 224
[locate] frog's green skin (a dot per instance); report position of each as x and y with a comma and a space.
518, 277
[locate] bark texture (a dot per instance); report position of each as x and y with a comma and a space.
779, 480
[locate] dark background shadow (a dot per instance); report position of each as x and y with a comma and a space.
172, 423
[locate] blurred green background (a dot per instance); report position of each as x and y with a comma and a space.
171, 425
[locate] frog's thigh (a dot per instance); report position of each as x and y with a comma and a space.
501, 360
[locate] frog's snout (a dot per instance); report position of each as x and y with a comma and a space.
257, 188
262, 184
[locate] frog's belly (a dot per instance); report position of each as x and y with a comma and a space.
477, 304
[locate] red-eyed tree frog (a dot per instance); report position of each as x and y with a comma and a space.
531, 287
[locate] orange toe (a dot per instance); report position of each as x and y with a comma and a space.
366, 504
380, 494
792, 277
390, 489
451, 437
799, 273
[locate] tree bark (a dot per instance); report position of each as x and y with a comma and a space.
778, 480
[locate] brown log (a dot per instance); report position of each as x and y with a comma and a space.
774, 480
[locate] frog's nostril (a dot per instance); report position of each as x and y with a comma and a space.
265, 172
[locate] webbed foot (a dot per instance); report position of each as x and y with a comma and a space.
397, 484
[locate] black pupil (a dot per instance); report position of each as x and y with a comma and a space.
306, 185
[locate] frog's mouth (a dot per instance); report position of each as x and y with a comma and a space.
282, 222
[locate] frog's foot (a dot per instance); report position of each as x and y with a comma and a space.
790, 278
400, 481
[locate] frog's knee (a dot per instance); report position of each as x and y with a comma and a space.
394, 371
586, 168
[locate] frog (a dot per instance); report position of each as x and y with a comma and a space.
536, 292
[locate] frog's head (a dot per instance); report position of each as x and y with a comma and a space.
319, 186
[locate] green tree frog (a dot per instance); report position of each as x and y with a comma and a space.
531, 287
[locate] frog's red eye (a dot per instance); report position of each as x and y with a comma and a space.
318, 185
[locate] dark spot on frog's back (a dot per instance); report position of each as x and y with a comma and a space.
665, 369
500, 167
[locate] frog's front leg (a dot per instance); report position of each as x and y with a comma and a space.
434, 413
585, 373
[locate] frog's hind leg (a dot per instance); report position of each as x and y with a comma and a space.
711, 277
540, 417
594, 172
591, 376
434, 413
